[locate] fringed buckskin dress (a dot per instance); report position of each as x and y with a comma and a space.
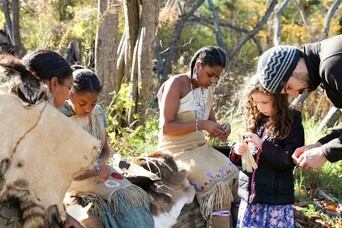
211, 172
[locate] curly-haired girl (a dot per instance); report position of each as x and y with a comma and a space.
276, 131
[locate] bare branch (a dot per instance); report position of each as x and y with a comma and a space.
176, 35
277, 23
207, 21
302, 16
255, 30
298, 102
330, 119
218, 33
328, 17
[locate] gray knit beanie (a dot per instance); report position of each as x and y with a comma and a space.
276, 65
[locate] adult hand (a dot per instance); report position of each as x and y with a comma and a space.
71, 222
312, 159
214, 129
226, 132
300, 150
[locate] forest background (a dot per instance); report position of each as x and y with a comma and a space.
134, 46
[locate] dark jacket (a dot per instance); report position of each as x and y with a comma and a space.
274, 181
324, 63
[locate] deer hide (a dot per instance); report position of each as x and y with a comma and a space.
41, 151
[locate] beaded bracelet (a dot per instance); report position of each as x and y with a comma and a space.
196, 125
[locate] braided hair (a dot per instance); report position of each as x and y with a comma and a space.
85, 81
210, 55
47, 64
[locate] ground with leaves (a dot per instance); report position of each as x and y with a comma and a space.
319, 197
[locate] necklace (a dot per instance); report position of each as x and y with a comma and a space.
199, 102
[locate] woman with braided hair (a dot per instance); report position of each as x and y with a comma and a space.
186, 113
43, 66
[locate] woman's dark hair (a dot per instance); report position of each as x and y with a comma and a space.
210, 55
85, 81
46, 64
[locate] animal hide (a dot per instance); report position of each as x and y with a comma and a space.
41, 151
169, 194
28, 89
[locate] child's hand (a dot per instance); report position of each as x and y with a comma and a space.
241, 147
252, 138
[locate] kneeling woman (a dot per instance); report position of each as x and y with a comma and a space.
116, 201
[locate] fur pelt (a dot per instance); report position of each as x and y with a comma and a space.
169, 194
39, 158
24, 85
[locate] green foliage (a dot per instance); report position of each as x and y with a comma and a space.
327, 177
120, 103
126, 141
52, 24
310, 210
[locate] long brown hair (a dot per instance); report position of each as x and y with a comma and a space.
279, 124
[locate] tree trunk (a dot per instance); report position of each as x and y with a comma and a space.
13, 27
141, 78
8, 19
105, 46
18, 50
217, 28
120, 68
131, 10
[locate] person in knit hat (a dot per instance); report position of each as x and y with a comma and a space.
287, 69
276, 66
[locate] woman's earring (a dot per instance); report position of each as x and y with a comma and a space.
195, 75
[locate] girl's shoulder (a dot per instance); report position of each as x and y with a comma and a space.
100, 114
98, 110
